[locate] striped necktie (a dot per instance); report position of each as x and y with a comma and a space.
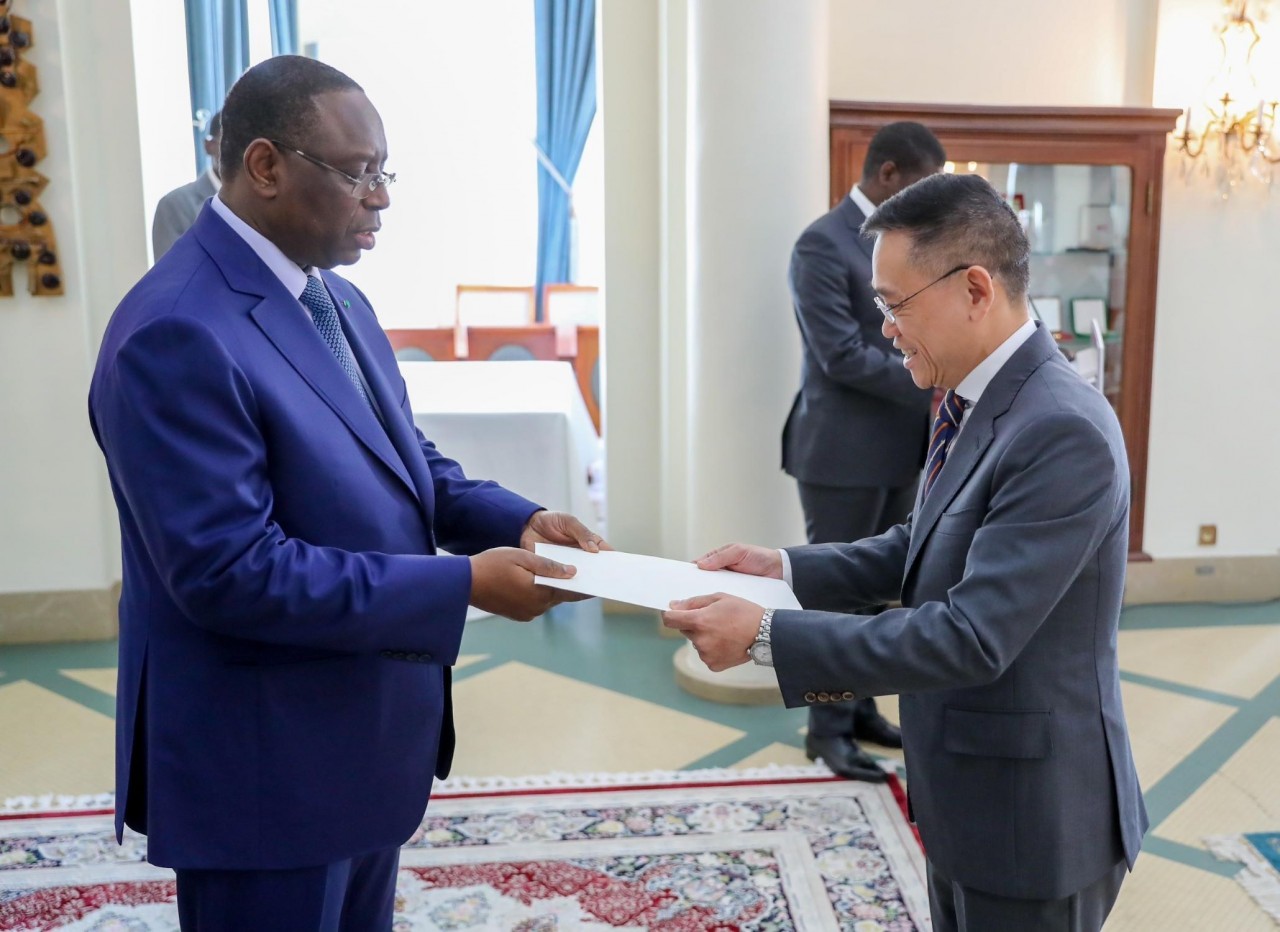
316, 300
945, 427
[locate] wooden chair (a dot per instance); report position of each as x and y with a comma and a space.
494, 306
536, 341
586, 365
436, 344
571, 305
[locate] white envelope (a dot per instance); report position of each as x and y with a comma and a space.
653, 582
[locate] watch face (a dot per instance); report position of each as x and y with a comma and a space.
762, 653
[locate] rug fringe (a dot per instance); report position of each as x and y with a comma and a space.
1258, 877
558, 780
457, 785
50, 802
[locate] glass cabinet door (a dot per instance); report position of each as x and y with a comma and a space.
1076, 218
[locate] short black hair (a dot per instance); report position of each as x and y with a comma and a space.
906, 144
275, 99
958, 220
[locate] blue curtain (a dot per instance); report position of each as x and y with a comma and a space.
217, 53
284, 27
565, 42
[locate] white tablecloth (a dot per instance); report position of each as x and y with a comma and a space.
522, 424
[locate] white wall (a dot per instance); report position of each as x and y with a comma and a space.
998, 52
629, 53
57, 527
1214, 453
164, 100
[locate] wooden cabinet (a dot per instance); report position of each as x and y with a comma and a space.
1087, 185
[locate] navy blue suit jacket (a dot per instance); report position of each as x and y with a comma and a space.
286, 627
858, 419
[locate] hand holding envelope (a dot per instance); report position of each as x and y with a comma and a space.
716, 602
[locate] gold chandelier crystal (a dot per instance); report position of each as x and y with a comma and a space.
1231, 135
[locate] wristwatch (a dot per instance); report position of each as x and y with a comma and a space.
761, 649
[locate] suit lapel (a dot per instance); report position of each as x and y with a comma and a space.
362, 331
854, 217
975, 437
284, 322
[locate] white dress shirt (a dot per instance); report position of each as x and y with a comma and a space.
863, 202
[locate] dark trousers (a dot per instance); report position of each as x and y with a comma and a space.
843, 515
957, 908
355, 895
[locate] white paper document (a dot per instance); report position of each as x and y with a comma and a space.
653, 582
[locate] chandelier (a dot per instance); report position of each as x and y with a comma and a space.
1231, 135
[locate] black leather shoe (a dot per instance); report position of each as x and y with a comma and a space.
878, 730
844, 757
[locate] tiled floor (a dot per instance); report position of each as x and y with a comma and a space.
578, 692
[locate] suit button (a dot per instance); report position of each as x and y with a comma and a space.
413, 657
848, 696
824, 697
390, 655
424, 658
810, 697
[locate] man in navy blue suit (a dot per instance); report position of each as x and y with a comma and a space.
287, 627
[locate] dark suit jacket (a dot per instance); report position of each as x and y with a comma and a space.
286, 630
1011, 575
177, 211
858, 419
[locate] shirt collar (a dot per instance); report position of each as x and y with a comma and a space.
290, 274
864, 203
975, 383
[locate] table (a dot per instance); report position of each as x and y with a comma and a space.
522, 424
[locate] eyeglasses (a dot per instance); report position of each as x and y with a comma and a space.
888, 309
361, 187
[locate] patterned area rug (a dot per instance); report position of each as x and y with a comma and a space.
698, 850
1259, 852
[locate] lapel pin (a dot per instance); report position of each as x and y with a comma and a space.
346, 303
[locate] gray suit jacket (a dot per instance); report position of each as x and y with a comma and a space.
858, 419
177, 211
1010, 573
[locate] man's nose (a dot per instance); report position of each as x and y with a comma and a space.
889, 328
380, 199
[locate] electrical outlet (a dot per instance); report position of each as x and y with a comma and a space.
1208, 535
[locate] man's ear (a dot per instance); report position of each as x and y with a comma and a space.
261, 167
888, 175
981, 290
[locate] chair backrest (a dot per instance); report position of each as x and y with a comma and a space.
586, 365
494, 306
535, 341
436, 344
571, 305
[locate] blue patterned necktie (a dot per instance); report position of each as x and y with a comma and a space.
316, 299
945, 427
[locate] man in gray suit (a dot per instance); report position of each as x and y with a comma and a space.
1010, 573
178, 209
855, 439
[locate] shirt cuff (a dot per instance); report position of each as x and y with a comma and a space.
786, 569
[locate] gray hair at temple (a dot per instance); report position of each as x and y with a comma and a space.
958, 220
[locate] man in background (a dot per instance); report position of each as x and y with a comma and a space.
287, 626
855, 439
178, 209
